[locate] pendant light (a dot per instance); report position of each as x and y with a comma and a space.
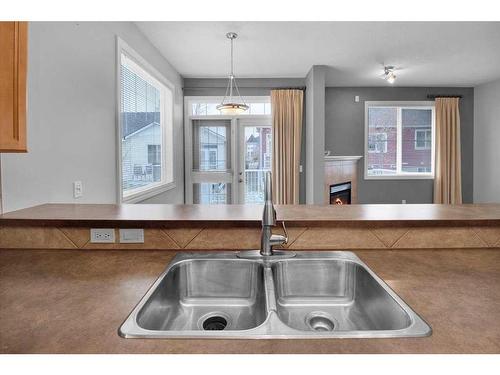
232, 105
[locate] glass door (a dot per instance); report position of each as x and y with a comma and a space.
255, 156
211, 161
226, 156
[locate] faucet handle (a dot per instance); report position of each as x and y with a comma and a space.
278, 239
284, 230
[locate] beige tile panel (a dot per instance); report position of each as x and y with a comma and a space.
33, 238
182, 236
226, 239
337, 238
79, 236
432, 237
389, 236
249, 238
490, 235
154, 239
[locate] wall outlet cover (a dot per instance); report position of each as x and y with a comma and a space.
102, 235
131, 235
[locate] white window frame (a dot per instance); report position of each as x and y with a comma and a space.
231, 176
400, 175
425, 139
168, 182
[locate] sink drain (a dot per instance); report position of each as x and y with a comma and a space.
214, 323
320, 322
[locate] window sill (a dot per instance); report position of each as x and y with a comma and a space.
148, 193
400, 177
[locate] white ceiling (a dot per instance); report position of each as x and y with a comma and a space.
424, 53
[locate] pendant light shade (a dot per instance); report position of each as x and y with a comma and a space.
232, 105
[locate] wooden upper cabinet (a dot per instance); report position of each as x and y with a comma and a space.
13, 71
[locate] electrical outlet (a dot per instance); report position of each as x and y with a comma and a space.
77, 189
356, 98
403, 201
131, 235
101, 235
300, 169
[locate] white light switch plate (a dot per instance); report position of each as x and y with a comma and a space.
77, 189
102, 235
131, 235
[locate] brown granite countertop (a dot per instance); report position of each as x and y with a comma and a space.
73, 301
148, 215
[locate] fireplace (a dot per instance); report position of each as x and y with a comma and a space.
340, 193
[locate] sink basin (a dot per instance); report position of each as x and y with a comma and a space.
198, 291
333, 294
312, 295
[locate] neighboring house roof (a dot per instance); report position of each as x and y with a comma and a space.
206, 131
384, 118
253, 139
132, 122
141, 130
417, 118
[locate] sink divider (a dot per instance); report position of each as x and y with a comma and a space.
269, 288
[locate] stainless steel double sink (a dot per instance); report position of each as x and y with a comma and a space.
326, 294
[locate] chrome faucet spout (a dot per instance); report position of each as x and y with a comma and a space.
268, 239
269, 214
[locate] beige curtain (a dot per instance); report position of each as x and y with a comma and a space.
448, 178
287, 107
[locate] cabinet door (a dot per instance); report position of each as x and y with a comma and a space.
13, 64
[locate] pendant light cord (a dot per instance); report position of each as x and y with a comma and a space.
232, 73
231, 76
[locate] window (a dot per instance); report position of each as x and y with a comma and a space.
145, 128
423, 139
209, 109
399, 139
154, 154
377, 142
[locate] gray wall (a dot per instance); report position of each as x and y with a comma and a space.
344, 132
252, 87
72, 115
315, 134
487, 143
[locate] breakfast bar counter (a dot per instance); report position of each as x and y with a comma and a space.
174, 215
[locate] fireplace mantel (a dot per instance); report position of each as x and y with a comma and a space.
342, 157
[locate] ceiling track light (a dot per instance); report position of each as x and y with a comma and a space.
230, 105
389, 75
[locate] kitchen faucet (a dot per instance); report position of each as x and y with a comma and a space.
268, 239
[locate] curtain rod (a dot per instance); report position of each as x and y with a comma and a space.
247, 87
443, 96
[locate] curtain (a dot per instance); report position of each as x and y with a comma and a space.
448, 177
287, 109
